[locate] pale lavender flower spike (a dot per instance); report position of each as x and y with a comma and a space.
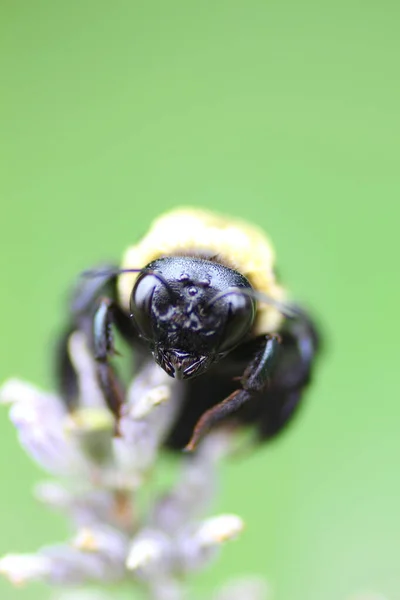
99, 477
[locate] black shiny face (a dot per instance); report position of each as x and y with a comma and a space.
191, 312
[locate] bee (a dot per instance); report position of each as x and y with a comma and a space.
200, 295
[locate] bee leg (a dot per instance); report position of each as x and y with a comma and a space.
92, 311
65, 372
103, 345
83, 298
292, 374
254, 379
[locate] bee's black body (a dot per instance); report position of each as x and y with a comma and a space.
201, 320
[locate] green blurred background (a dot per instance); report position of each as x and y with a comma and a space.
286, 113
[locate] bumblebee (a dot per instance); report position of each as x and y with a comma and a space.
199, 294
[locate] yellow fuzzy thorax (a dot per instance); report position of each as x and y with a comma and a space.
202, 233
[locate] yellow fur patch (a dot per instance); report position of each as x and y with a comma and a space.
195, 232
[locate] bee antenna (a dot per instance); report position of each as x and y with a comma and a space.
112, 272
108, 272
285, 309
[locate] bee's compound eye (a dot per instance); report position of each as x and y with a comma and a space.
141, 304
240, 317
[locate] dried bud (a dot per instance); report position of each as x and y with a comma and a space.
39, 418
150, 554
92, 429
218, 530
200, 543
23, 568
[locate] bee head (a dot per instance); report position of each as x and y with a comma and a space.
191, 312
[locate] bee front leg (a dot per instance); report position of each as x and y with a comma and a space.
254, 380
84, 296
104, 349
94, 311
